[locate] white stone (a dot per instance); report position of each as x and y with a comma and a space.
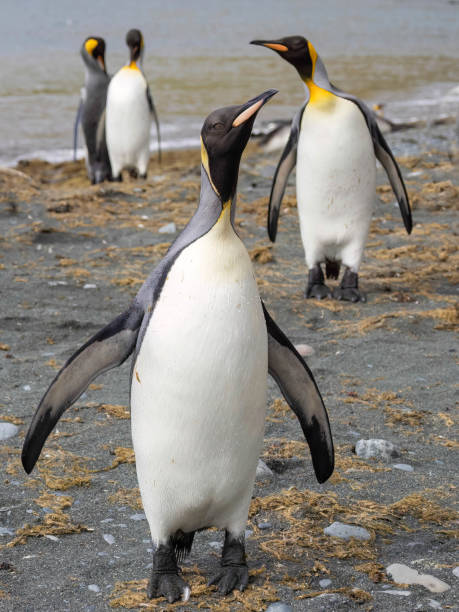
94, 588
8, 430
169, 228
279, 606
396, 592
436, 605
6, 531
138, 517
89, 286
405, 467
53, 538
263, 471
325, 583
377, 449
456, 571
403, 574
343, 531
304, 350
109, 538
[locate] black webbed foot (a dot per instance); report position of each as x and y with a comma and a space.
165, 580
316, 287
349, 288
234, 573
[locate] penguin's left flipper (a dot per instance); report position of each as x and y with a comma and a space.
155, 117
385, 157
286, 164
75, 128
107, 349
300, 390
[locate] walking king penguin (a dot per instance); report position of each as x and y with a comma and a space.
333, 141
129, 114
203, 344
91, 111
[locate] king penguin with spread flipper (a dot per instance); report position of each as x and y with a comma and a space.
333, 142
129, 114
203, 345
91, 111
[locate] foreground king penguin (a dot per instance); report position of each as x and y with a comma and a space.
129, 114
91, 111
333, 141
203, 345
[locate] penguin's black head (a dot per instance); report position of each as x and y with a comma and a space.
224, 136
94, 48
296, 50
134, 41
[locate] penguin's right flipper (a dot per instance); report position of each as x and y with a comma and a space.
155, 117
75, 128
107, 349
300, 390
286, 164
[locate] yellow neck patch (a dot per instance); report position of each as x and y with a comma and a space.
205, 163
90, 45
318, 96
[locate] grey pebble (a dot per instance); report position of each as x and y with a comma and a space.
263, 471
169, 228
215, 545
279, 606
265, 525
403, 466
341, 530
376, 449
248, 533
456, 571
6, 531
109, 538
325, 582
8, 430
138, 517
94, 588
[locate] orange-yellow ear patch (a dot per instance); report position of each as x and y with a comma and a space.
313, 55
90, 45
242, 117
276, 46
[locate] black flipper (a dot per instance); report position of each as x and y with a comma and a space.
300, 390
286, 164
107, 349
155, 117
385, 157
75, 128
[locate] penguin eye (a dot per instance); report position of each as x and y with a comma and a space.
218, 126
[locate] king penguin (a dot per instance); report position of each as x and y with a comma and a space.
129, 114
203, 345
91, 111
334, 140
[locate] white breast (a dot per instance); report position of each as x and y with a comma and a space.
128, 121
336, 174
199, 390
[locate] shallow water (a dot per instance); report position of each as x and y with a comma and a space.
198, 58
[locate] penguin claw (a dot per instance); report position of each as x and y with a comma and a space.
229, 578
318, 291
170, 586
349, 294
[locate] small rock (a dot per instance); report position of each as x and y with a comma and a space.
8, 430
26, 387
263, 471
341, 530
53, 538
109, 538
89, 286
377, 449
402, 574
138, 517
169, 228
248, 533
456, 571
397, 592
94, 588
403, 466
325, 583
279, 606
304, 350
265, 525
5, 531
215, 545
436, 605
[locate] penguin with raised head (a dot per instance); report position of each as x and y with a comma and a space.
129, 114
91, 110
203, 345
334, 142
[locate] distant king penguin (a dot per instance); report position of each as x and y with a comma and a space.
91, 111
129, 114
203, 345
333, 141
